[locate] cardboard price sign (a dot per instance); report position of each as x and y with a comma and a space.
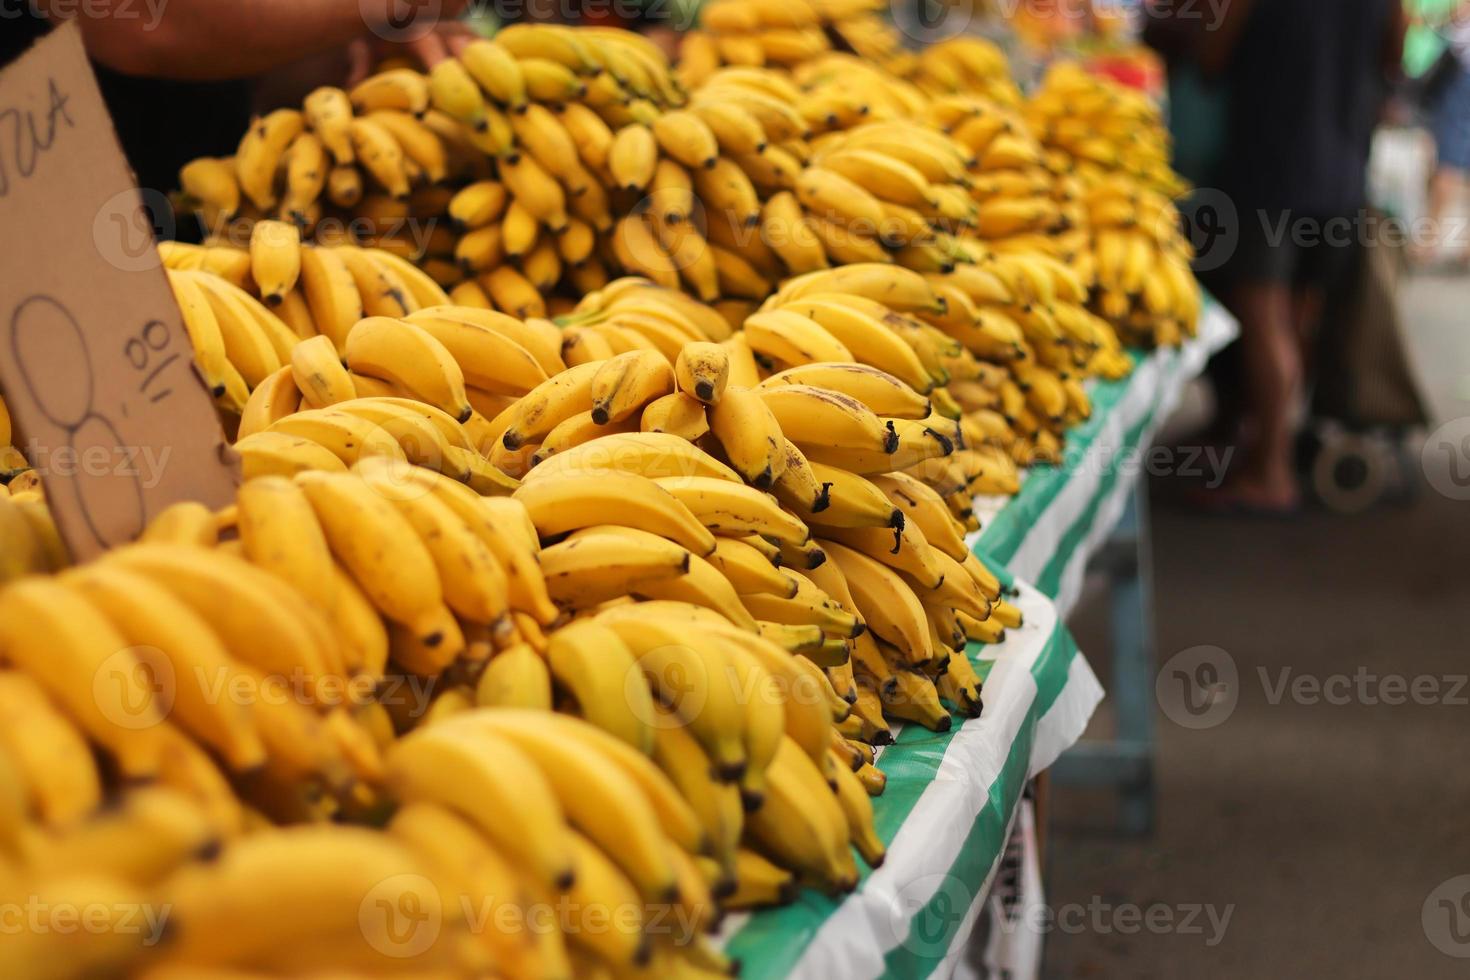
95, 364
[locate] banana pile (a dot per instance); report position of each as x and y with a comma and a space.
1114, 140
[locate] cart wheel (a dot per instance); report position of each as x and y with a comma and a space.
1349, 473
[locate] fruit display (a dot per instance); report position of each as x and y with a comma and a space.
609, 433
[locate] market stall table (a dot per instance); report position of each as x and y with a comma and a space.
953, 798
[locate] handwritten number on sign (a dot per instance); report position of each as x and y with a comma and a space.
47, 342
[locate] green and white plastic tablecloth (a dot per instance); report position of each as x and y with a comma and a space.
952, 797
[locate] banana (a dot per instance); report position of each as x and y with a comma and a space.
51, 756
597, 668
889, 607
692, 676
914, 698
734, 510
570, 501
684, 135
380, 155
516, 677
550, 82
344, 185
151, 618
896, 288
489, 359
734, 128
553, 42
632, 157
207, 339
650, 454
262, 621
605, 802
810, 609
903, 550
801, 822
348, 437
832, 197
454, 92
318, 376
331, 293
402, 579
677, 414
419, 144
212, 182
759, 883
749, 571
885, 177
750, 434
462, 863
858, 809
542, 134
187, 522
477, 205
727, 193
792, 339
597, 567
275, 453
383, 291
503, 525
703, 371
64, 642
497, 71
590, 133
408, 356
474, 584
550, 403
927, 510
306, 178
870, 340
821, 421
491, 781
399, 88
257, 345
536, 191
152, 833
880, 392
702, 585
604, 912
624, 384
328, 110
260, 152
786, 231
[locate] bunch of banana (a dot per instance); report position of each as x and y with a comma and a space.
966, 63
1112, 138
1104, 127
246, 311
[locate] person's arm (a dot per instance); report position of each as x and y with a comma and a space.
1218, 46
1394, 38
215, 39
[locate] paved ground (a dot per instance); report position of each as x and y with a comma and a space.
1323, 827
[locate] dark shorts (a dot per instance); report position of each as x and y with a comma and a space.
1452, 122
1293, 248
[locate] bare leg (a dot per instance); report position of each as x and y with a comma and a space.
1265, 478
1444, 187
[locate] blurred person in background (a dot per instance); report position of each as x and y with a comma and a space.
1303, 82
177, 75
1450, 243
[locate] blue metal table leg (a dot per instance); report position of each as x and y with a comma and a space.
1126, 762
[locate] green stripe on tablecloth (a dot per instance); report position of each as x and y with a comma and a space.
772, 942
1002, 536
932, 929
1050, 579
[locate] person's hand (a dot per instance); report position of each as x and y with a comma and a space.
447, 38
